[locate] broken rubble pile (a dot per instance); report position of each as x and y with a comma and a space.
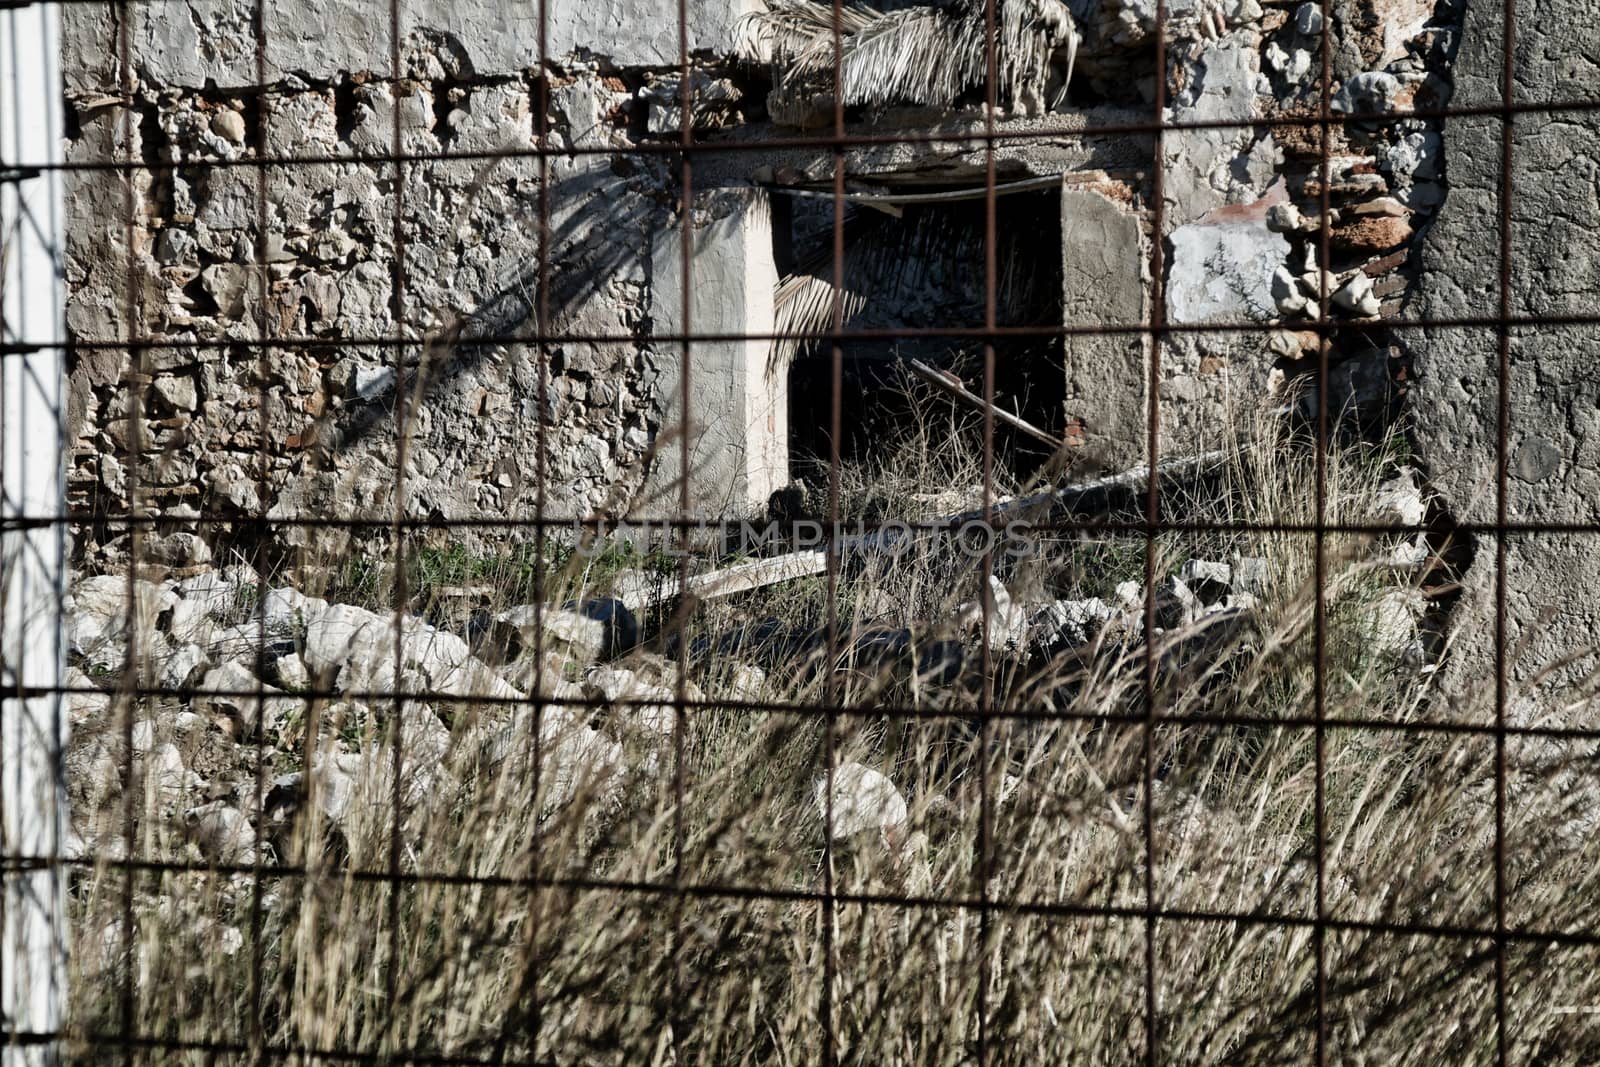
200, 640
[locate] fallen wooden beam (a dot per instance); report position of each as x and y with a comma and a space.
952, 386
743, 577
756, 574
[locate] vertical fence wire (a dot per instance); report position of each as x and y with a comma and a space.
1152, 518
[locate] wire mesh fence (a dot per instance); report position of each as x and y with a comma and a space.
690, 761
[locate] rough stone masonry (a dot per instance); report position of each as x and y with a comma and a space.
307, 428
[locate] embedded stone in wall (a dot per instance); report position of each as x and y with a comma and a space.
1222, 272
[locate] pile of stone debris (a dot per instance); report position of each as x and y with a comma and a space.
253, 706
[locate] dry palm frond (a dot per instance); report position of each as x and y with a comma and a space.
919, 54
916, 55
788, 28
886, 258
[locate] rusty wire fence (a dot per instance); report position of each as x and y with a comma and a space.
235, 1025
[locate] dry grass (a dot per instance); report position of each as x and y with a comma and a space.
535, 917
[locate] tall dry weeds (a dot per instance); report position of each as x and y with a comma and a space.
671, 907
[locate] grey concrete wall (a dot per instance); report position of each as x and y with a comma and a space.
318, 40
1105, 282
738, 418
1552, 579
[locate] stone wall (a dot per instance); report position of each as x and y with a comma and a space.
470, 229
307, 429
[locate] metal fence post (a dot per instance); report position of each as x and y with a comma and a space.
33, 721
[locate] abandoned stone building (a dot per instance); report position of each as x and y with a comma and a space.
398, 202
322, 744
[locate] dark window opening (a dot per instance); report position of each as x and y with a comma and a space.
909, 271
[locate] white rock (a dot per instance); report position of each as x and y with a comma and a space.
187, 724
1384, 206
1297, 64
612, 684
1408, 555
1371, 91
746, 681
1393, 620
1415, 157
1399, 500
1285, 344
209, 589
1008, 622
569, 631
1251, 575
422, 734
290, 670
1356, 296
1313, 282
1240, 602
1286, 292
864, 800
354, 790
241, 574
576, 760
191, 622
286, 609
230, 689
1196, 571
179, 668
1223, 272
1285, 218
99, 610
227, 283
357, 648
236, 643
1308, 18
83, 707
178, 392
222, 832
165, 775
369, 383
229, 125
1192, 607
